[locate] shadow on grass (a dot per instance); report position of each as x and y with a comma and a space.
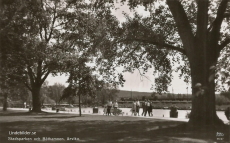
23, 113
115, 131
185, 132
40, 115
60, 117
105, 130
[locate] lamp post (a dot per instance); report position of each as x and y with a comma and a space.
131, 94
187, 92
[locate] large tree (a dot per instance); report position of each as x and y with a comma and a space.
9, 44
39, 48
84, 33
29, 53
81, 81
192, 35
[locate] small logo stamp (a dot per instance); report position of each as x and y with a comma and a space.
219, 136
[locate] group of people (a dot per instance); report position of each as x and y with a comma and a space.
135, 107
109, 106
146, 106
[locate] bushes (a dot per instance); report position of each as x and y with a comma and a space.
222, 100
173, 112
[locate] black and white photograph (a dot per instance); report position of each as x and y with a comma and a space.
111, 71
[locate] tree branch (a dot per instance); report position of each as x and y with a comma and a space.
225, 43
44, 70
226, 15
142, 75
183, 25
27, 86
163, 45
134, 49
31, 76
215, 26
40, 32
53, 21
39, 70
44, 78
215, 29
45, 29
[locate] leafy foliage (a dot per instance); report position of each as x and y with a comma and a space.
45, 38
55, 92
108, 92
153, 41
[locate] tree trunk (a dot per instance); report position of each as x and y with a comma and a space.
202, 53
5, 104
79, 104
36, 99
203, 100
202, 64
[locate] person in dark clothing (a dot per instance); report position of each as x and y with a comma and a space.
147, 107
144, 108
109, 107
137, 107
151, 109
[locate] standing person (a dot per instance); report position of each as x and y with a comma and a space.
137, 107
144, 108
105, 110
115, 107
147, 107
109, 108
151, 109
134, 108
24, 104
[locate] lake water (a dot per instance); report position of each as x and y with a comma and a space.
156, 112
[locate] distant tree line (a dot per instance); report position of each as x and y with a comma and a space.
221, 99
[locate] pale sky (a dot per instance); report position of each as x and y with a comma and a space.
134, 81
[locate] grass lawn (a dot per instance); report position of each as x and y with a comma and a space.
100, 129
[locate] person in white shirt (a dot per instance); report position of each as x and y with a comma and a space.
134, 108
105, 110
115, 107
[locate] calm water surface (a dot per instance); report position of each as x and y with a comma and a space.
156, 112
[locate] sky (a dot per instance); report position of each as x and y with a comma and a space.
134, 81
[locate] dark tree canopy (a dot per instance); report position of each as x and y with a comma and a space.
46, 37
192, 35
